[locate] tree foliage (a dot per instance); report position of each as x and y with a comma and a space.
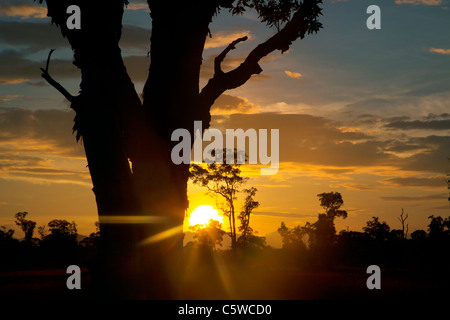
61, 233
249, 205
272, 12
438, 226
27, 226
376, 229
6, 234
332, 202
223, 180
294, 238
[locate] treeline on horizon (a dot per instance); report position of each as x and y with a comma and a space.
58, 245
314, 245
318, 245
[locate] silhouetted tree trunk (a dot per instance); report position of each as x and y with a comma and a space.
128, 143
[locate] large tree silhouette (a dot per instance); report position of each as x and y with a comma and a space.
117, 129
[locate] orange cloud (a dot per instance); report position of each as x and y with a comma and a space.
9, 97
420, 182
441, 51
293, 75
224, 38
12, 81
137, 6
420, 2
23, 10
227, 104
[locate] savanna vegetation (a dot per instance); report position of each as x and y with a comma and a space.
315, 261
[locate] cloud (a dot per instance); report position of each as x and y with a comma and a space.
434, 182
228, 104
323, 145
357, 186
10, 81
434, 159
134, 37
400, 147
22, 10
279, 214
441, 196
311, 140
231, 62
224, 38
134, 6
293, 75
49, 175
9, 97
31, 37
420, 2
36, 36
16, 68
39, 147
418, 124
37, 131
441, 51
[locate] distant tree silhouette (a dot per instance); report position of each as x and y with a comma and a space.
438, 227
294, 239
249, 205
27, 226
323, 232
353, 248
252, 242
402, 220
118, 129
61, 233
94, 238
8, 247
6, 234
43, 231
321, 235
396, 234
223, 180
376, 229
419, 234
332, 202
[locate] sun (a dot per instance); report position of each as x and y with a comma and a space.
202, 214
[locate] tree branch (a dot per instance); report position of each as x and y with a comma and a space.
219, 59
304, 21
52, 82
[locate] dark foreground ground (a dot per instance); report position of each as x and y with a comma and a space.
251, 284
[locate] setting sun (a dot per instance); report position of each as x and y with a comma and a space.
203, 214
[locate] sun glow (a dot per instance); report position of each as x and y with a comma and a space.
203, 214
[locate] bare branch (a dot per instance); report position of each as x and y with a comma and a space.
219, 59
52, 82
48, 59
402, 219
304, 21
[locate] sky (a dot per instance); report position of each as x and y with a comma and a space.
362, 112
